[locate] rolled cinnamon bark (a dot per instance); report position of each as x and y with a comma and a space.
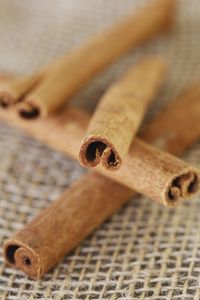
76, 69
13, 91
35, 250
120, 113
64, 224
157, 174
67, 130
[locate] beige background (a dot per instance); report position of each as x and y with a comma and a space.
145, 251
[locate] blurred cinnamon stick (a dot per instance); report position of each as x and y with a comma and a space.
67, 130
176, 128
47, 94
11, 92
120, 113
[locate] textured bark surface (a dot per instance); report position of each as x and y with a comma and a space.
76, 69
120, 113
157, 174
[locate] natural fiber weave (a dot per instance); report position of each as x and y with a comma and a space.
146, 251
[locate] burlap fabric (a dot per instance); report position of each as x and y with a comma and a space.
146, 251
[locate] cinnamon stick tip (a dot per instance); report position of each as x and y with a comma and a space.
184, 185
96, 150
21, 256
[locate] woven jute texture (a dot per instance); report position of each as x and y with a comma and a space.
146, 251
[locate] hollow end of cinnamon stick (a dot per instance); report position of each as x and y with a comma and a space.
96, 150
6, 99
185, 185
21, 256
28, 111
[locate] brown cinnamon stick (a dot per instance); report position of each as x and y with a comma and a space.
120, 113
64, 224
35, 250
157, 174
76, 69
67, 130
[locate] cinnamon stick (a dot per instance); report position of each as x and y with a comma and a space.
35, 250
176, 128
67, 130
64, 224
156, 174
120, 113
14, 90
76, 69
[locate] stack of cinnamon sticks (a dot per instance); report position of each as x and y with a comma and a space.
107, 144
